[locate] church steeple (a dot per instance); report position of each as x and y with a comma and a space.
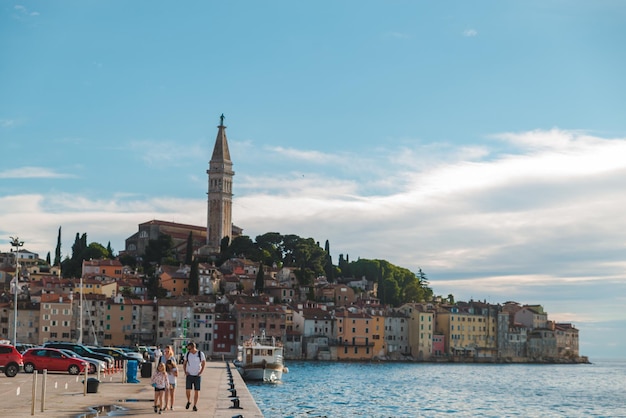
220, 151
220, 195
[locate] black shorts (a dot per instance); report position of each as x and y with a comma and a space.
192, 382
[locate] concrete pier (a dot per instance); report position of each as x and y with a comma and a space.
65, 396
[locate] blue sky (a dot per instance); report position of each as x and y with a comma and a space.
480, 141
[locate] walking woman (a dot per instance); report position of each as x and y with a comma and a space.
172, 374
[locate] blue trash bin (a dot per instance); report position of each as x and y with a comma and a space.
131, 371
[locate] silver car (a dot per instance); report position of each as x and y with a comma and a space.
93, 363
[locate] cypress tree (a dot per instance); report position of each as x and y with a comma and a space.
259, 284
189, 254
57, 252
194, 278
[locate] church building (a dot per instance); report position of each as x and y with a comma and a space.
206, 240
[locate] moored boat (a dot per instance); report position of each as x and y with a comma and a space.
261, 358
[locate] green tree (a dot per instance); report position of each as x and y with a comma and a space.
189, 252
259, 284
224, 243
270, 246
241, 246
72, 267
158, 252
48, 258
329, 269
57, 252
127, 292
128, 260
110, 251
94, 251
194, 278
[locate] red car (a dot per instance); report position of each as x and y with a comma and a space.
53, 360
10, 360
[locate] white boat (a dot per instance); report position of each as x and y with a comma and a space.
261, 358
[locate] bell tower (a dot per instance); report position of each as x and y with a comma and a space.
220, 194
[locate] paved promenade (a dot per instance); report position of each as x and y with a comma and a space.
65, 396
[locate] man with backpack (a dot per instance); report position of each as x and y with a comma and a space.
193, 366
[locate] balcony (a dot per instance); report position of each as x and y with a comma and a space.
360, 342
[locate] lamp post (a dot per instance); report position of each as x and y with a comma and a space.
15, 242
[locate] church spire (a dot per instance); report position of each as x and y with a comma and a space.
220, 151
219, 205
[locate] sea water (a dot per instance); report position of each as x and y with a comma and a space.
336, 389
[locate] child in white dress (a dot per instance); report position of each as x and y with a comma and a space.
160, 383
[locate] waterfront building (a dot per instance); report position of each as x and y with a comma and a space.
175, 280
225, 335
27, 321
353, 335
102, 267
117, 321
566, 339
208, 279
531, 317
256, 318
56, 318
174, 319
542, 344
512, 338
338, 294
469, 329
439, 345
421, 327
397, 335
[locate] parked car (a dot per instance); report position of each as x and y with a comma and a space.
53, 360
116, 353
134, 355
93, 363
23, 347
81, 350
11, 361
146, 352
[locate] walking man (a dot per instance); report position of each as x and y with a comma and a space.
193, 366
158, 353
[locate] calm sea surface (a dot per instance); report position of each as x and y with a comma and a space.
312, 389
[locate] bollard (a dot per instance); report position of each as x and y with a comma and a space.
43, 389
85, 381
32, 403
235, 402
233, 393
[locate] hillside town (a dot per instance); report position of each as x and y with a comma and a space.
345, 321
180, 282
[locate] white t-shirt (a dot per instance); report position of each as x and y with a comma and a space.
194, 362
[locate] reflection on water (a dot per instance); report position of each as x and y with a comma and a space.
103, 411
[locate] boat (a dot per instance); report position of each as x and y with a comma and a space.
261, 359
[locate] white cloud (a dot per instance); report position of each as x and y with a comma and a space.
32, 173
542, 222
397, 35
470, 33
24, 11
7, 123
166, 153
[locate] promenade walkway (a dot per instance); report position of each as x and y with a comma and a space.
65, 396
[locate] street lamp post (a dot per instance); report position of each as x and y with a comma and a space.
15, 242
